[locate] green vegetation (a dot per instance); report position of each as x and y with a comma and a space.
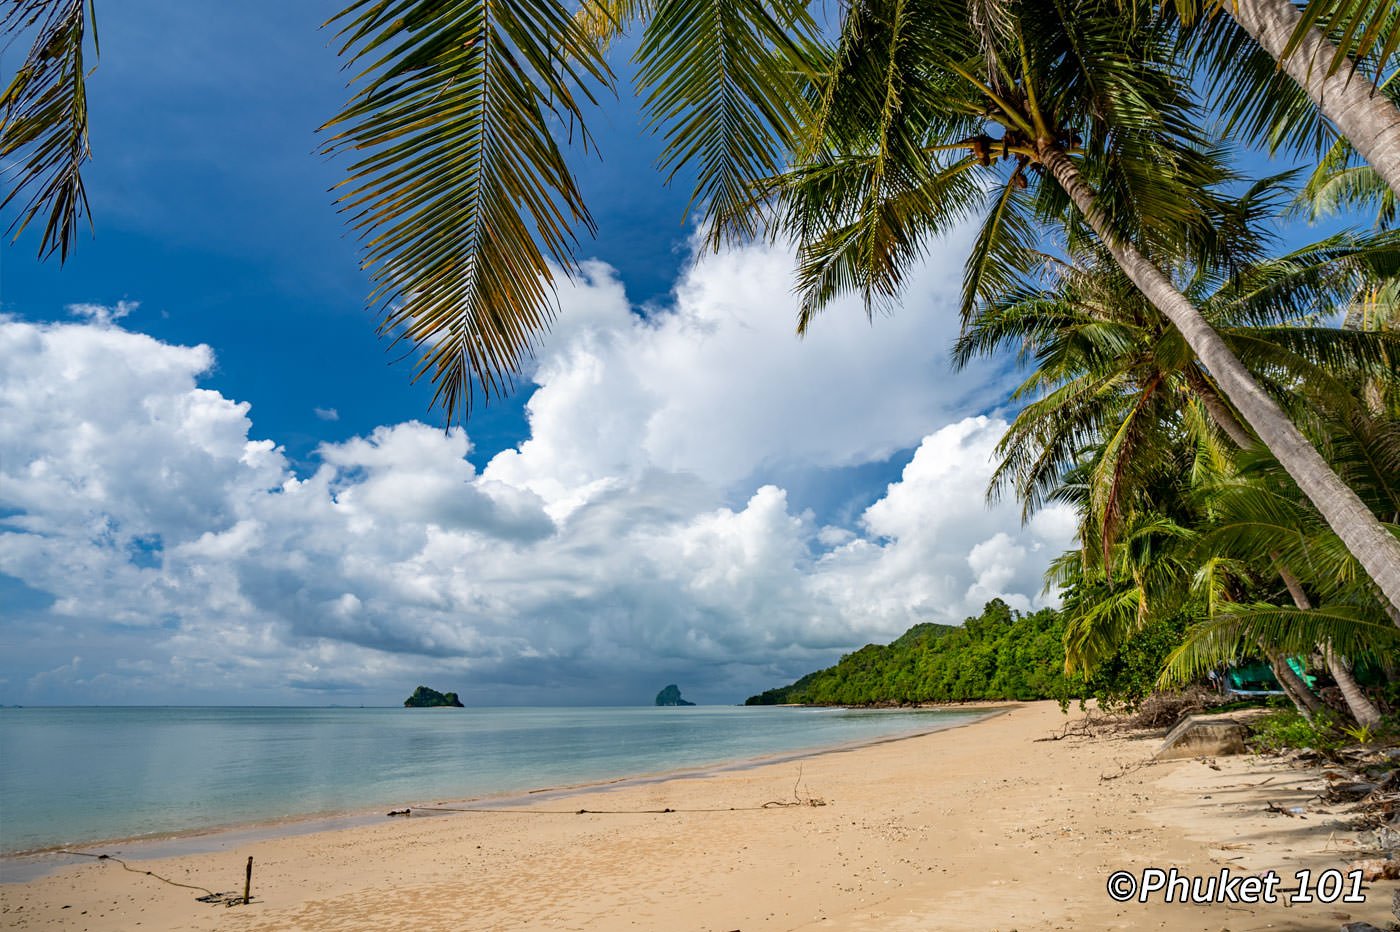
1287, 730
425, 698
1000, 654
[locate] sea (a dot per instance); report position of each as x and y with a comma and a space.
75, 776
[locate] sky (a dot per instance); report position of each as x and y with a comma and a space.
217, 486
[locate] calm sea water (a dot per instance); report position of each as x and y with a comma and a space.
73, 775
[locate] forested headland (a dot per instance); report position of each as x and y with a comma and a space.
999, 654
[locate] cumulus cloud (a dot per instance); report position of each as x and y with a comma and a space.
637, 536
932, 549
720, 386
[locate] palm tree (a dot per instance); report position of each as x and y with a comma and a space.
1295, 42
1108, 367
1090, 111
1122, 407
1258, 511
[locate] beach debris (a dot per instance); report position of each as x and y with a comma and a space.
1351, 790
395, 812
1376, 869
803, 798
1085, 727
1124, 770
1360, 927
1203, 736
1168, 709
1296, 811
1383, 838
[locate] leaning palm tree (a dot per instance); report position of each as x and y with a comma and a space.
1258, 511
1331, 53
1094, 131
1116, 399
1105, 364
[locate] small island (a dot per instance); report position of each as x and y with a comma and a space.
425, 698
671, 695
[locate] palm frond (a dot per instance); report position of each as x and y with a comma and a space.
1306, 284
460, 192
1342, 183
44, 119
605, 20
1237, 630
1006, 247
1361, 31
1094, 632
866, 237
724, 83
1244, 83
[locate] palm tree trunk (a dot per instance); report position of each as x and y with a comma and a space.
1373, 546
1369, 120
1219, 412
1294, 686
1361, 708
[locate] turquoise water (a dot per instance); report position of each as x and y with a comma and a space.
74, 775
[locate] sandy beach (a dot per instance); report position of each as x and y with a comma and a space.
980, 828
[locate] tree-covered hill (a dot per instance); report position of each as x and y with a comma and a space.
999, 654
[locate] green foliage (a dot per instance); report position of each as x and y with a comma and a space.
1130, 675
1288, 729
459, 188
1000, 654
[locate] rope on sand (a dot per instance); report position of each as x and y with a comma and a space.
797, 800
772, 804
228, 899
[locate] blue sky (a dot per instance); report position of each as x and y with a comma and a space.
212, 211
219, 489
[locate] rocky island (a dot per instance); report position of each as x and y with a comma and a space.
425, 698
671, 695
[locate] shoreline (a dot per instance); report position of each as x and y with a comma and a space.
987, 828
27, 865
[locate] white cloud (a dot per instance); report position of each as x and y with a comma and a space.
932, 548
104, 314
633, 537
721, 387
327, 414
